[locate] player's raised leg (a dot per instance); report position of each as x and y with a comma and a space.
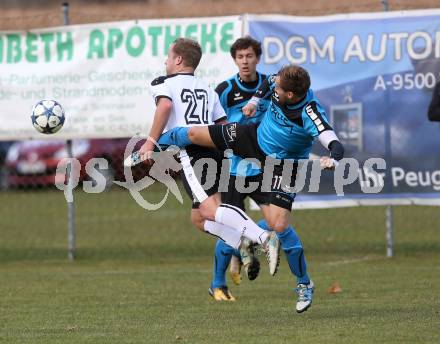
201, 136
185, 136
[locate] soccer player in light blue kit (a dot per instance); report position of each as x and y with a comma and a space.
234, 93
293, 121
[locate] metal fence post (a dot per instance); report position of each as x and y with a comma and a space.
389, 235
389, 223
71, 225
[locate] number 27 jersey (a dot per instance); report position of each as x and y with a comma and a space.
194, 102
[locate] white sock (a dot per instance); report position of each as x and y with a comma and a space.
236, 218
227, 234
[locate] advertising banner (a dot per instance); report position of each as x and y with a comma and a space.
374, 73
100, 73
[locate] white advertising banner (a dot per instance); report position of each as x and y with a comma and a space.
100, 73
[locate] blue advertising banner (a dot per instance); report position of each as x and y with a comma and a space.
374, 73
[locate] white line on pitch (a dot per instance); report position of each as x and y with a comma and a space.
347, 261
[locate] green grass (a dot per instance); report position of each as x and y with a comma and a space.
142, 277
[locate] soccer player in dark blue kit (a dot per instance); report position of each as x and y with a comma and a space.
234, 93
292, 123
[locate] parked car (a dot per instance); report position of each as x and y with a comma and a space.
4, 147
34, 163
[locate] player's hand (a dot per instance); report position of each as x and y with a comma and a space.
146, 151
327, 163
249, 110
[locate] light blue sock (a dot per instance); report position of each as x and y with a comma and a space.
177, 136
222, 256
293, 248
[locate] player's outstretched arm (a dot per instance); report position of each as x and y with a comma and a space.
264, 91
161, 116
328, 163
330, 141
249, 110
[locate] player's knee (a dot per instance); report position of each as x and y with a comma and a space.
277, 224
271, 223
197, 221
208, 207
278, 227
208, 214
192, 133
207, 211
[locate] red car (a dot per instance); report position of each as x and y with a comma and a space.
35, 162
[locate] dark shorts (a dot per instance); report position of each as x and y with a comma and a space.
236, 198
281, 195
242, 140
206, 174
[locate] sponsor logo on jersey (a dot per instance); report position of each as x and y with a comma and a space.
237, 96
231, 131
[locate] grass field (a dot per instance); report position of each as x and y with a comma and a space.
142, 277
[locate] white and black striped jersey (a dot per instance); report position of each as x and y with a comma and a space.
194, 102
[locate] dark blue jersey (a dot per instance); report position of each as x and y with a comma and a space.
289, 130
234, 94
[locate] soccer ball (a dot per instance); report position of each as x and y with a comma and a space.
48, 116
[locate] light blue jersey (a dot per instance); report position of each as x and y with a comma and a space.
288, 131
234, 94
